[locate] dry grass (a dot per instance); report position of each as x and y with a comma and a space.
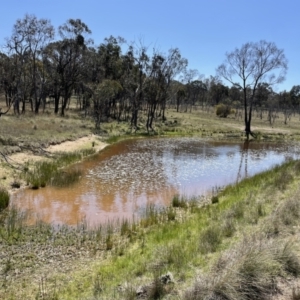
248, 270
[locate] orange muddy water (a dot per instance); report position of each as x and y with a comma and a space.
121, 180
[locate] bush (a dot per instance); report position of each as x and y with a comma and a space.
223, 110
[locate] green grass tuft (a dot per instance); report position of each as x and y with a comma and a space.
4, 199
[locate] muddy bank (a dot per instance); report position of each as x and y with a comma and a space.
12, 165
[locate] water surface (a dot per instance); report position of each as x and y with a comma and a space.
124, 177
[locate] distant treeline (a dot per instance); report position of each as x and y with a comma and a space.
40, 67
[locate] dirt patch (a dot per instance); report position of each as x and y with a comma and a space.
285, 288
86, 142
12, 164
82, 143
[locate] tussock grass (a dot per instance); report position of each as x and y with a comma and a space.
210, 239
228, 227
247, 271
4, 198
289, 213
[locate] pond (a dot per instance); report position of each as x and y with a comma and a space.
125, 177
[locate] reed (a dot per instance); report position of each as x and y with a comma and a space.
4, 198
52, 173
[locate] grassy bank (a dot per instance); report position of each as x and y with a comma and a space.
240, 247
50, 172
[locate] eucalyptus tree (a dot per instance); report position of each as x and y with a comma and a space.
250, 65
102, 95
30, 36
197, 92
263, 91
295, 96
155, 87
65, 60
7, 78
235, 93
138, 62
187, 78
110, 57
175, 65
180, 96
131, 93
218, 92
285, 105
6, 81
112, 72
161, 71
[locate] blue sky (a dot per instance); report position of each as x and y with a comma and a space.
203, 30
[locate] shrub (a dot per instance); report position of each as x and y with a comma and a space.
223, 110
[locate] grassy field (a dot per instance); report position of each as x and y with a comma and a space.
29, 131
242, 244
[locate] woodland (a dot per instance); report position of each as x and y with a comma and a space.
42, 67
